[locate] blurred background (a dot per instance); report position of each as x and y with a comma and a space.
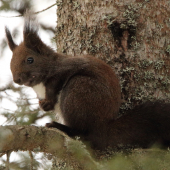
18, 104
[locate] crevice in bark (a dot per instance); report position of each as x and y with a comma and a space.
123, 34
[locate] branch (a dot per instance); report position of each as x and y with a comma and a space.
14, 138
34, 13
28, 138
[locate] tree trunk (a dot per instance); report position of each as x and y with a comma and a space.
132, 36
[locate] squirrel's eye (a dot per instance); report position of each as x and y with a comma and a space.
30, 60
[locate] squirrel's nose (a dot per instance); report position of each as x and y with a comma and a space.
17, 79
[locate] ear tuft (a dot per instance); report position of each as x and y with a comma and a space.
30, 23
11, 43
31, 38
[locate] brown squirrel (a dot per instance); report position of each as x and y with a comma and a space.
84, 90
86, 93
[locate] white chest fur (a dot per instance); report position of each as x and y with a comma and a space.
40, 90
58, 111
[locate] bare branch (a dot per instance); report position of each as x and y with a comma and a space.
45, 9
8, 156
2, 154
5, 88
34, 13
32, 158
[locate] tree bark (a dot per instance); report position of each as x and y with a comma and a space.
130, 35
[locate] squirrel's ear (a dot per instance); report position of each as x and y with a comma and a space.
11, 43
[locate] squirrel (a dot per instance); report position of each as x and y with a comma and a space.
85, 92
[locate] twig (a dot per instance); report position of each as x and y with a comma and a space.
7, 162
2, 154
30, 112
34, 12
17, 98
45, 9
3, 89
31, 163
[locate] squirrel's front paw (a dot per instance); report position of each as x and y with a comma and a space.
46, 105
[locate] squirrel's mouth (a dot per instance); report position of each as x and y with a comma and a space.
31, 82
28, 83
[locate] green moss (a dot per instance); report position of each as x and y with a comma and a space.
144, 63
168, 49
131, 14
92, 49
59, 4
159, 64
126, 106
98, 46
76, 5
148, 75
109, 18
123, 26
137, 76
159, 26
135, 45
165, 84
128, 69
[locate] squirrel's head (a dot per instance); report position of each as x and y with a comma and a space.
31, 60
